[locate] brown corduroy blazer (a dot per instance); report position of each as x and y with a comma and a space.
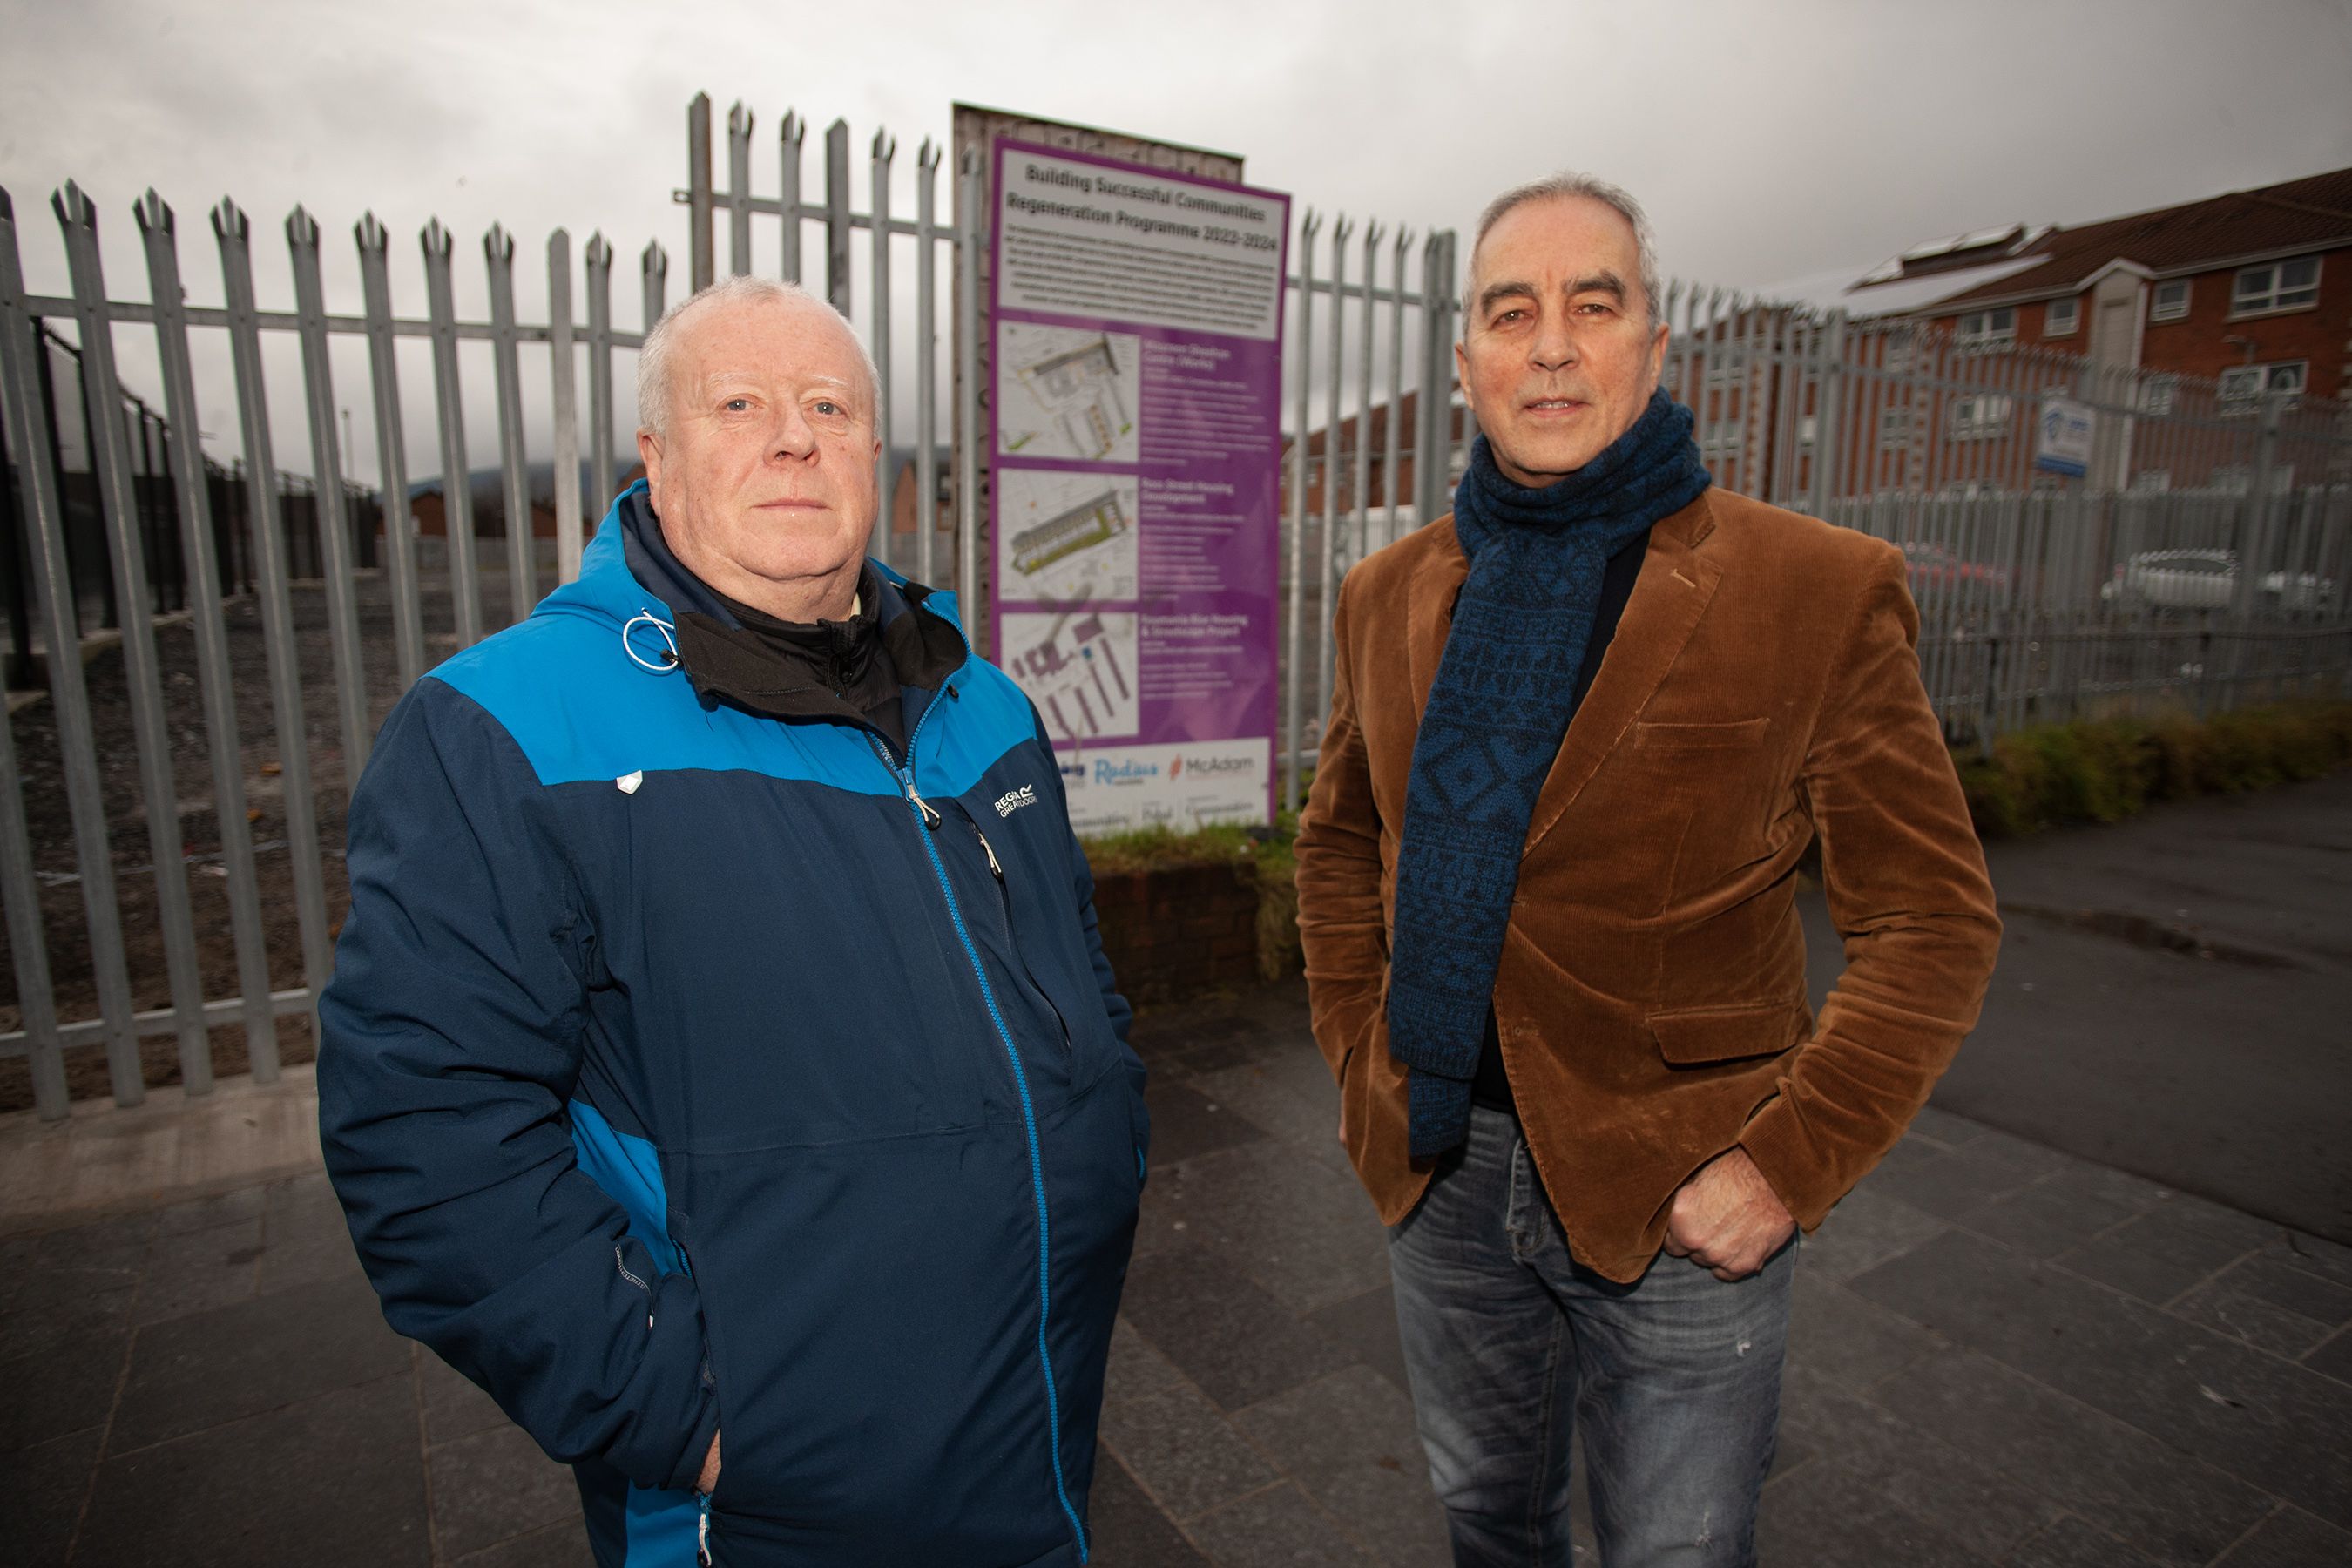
1762, 687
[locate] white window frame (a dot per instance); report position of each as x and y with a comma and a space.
2256, 381
2050, 327
2151, 482
2161, 309
1894, 426
2158, 392
1982, 416
1995, 329
2277, 296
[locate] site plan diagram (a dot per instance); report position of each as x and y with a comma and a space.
1065, 538
1079, 668
1067, 393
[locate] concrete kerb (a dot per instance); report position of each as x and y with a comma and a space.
102, 1161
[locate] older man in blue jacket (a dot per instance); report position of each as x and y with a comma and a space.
719, 1042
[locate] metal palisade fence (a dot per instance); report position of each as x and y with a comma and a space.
171, 815
2199, 557
2199, 561
343, 609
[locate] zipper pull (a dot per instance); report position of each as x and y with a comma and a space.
702, 1533
931, 817
994, 868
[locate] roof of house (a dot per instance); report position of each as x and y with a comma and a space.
2309, 214
1837, 290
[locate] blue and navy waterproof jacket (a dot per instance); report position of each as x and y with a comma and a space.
686, 1071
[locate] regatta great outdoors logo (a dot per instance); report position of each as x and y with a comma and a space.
1013, 800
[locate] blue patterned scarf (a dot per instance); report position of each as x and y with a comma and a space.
1493, 725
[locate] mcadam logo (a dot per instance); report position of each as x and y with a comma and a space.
1212, 765
1013, 800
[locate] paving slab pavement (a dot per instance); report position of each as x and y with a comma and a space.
2003, 1353
2173, 999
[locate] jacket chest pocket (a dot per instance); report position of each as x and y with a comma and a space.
1711, 788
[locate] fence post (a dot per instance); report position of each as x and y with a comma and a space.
1434, 470
1393, 469
1327, 575
522, 571
44, 398
885, 149
652, 267
213, 665
20, 343
15, 561
1309, 223
739, 190
391, 452
1360, 543
926, 359
28, 948
836, 214
2262, 512
788, 162
327, 490
972, 235
110, 463
267, 558
564, 394
598, 255
701, 254
1829, 408
457, 480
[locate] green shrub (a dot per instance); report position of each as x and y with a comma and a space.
2104, 770
1157, 848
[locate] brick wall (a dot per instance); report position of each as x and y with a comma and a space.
2197, 344
1179, 930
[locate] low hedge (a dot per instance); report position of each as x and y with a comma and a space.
2104, 770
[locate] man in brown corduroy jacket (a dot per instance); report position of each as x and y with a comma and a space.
1581, 733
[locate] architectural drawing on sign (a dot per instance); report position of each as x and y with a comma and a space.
1097, 520
1063, 393
1065, 538
1080, 668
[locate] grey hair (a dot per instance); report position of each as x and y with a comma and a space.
653, 358
1563, 186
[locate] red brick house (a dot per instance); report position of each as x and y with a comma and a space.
2253, 289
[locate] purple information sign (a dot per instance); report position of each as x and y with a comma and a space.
1137, 448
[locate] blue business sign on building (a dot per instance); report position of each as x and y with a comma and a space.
2064, 437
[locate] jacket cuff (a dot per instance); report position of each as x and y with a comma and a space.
1776, 1140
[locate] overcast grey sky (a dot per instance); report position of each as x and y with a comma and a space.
1770, 142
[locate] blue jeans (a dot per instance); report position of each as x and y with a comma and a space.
1509, 1340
